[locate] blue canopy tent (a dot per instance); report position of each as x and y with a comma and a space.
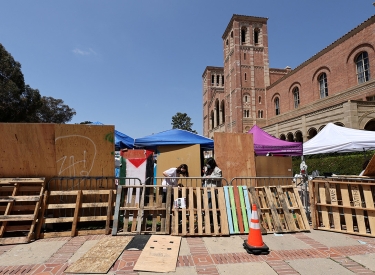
121, 140
174, 137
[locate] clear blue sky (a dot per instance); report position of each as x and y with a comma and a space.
136, 63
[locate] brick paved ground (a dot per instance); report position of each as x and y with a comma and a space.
201, 261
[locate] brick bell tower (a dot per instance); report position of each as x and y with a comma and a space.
246, 72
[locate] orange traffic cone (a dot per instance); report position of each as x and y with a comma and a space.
255, 244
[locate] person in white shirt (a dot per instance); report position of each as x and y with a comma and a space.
213, 173
171, 177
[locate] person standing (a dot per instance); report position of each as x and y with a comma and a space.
171, 177
212, 173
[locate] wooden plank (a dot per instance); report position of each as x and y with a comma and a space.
109, 212
229, 211
191, 211
367, 194
9, 209
199, 210
323, 209
140, 210
117, 210
71, 219
288, 215
8, 218
313, 199
335, 210
159, 255
223, 212
22, 180
13, 240
41, 215
357, 202
233, 209
238, 209
175, 222
275, 215
347, 211
207, 223
168, 209
247, 204
183, 211
19, 198
76, 213
243, 210
302, 211
214, 210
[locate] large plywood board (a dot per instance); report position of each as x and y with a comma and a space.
27, 150
84, 150
159, 255
273, 166
100, 258
174, 155
234, 154
370, 169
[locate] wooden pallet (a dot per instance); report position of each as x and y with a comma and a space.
279, 209
238, 209
148, 215
201, 216
20, 200
343, 205
76, 212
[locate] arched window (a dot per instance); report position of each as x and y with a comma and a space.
244, 56
323, 85
259, 99
256, 36
222, 80
212, 80
245, 77
282, 137
277, 106
222, 108
212, 120
217, 112
260, 114
243, 35
246, 98
363, 68
296, 97
231, 34
246, 113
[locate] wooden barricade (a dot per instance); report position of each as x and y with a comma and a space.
205, 213
146, 215
279, 208
238, 209
343, 205
76, 212
20, 200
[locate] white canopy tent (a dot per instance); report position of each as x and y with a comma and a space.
337, 139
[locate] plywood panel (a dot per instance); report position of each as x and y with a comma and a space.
84, 150
234, 154
27, 150
370, 169
174, 155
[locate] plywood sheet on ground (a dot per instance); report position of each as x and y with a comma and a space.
27, 150
101, 257
159, 255
234, 154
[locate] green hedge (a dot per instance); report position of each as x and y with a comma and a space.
339, 164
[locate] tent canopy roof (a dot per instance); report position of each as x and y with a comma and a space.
174, 137
265, 143
337, 139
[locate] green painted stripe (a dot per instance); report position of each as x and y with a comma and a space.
243, 210
233, 207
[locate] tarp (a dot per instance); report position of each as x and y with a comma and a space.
174, 137
265, 143
337, 139
121, 140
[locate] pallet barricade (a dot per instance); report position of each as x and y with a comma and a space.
20, 200
203, 212
343, 205
148, 215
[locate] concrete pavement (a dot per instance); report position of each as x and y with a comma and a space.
317, 252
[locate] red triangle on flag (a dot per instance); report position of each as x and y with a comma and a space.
137, 162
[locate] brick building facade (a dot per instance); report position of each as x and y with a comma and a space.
335, 85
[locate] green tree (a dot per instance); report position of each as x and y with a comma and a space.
182, 121
21, 103
86, 122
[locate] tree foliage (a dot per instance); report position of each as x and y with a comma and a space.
21, 103
182, 121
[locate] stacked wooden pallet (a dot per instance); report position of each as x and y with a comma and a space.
140, 209
203, 213
343, 205
76, 212
20, 200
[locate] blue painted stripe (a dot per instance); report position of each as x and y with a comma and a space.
229, 212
